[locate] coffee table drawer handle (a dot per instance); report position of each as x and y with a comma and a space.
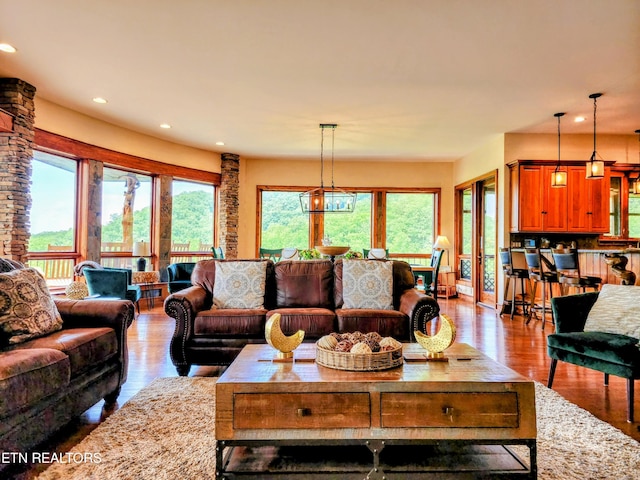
448, 411
304, 412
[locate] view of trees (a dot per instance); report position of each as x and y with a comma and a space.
409, 220
188, 225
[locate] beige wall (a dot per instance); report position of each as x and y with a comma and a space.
619, 148
62, 121
303, 173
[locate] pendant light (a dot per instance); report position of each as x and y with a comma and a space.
558, 179
334, 200
636, 184
595, 168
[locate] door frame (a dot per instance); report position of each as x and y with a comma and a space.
477, 255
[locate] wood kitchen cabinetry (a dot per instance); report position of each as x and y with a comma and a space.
588, 209
581, 207
537, 206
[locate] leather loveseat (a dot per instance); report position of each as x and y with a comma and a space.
47, 381
307, 294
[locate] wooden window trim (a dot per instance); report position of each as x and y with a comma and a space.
378, 216
65, 146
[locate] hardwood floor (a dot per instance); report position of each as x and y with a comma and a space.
521, 347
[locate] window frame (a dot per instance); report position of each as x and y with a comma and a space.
378, 215
83, 153
627, 174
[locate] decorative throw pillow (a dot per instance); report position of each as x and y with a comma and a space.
240, 284
367, 284
617, 310
26, 308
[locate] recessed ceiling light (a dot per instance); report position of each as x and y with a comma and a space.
220, 143
579, 119
5, 47
99, 100
165, 125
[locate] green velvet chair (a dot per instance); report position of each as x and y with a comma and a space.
179, 276
112, 283
610, 353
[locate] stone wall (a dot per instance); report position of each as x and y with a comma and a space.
16, 151
229, 204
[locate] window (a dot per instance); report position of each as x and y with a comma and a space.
126, 214
624, 208
466, 233
52, 225
192, 218
283, 224
352, 229
407, 225
410, 221
53, 208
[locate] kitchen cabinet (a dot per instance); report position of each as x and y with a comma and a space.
588, 209
540, 207
580, 207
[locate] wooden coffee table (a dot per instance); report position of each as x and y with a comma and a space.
454, 419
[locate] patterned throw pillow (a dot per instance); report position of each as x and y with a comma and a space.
617, 310
240, 284
26, 308
367, 284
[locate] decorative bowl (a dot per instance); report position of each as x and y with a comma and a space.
332, 250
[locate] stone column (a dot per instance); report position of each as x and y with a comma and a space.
93, 220
229, 204
16, 151
164, 205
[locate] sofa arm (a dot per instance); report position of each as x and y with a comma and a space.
116, 314
419, 307
183, 306
570, 312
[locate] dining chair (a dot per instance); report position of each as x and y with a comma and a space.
366, 252
289, 254
271, 253
377, 253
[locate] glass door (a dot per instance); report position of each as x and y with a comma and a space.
486, 278
476, 214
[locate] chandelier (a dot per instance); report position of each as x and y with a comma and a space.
331, 200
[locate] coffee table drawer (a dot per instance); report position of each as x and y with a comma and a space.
449, 410
301, 410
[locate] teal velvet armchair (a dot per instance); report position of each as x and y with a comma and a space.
179, 276
610, 353
112, 283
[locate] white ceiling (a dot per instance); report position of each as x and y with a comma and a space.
404, 79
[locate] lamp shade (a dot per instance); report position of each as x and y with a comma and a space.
141, 249
442, 242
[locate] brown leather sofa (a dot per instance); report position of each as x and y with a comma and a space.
47, 381
307, 294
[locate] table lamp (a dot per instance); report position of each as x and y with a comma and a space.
141, 249
443, 243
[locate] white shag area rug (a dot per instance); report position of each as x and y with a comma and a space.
166, 431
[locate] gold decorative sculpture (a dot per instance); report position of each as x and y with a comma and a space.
278, 340
436, 344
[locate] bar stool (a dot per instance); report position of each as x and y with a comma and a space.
569, 276
514, 267
541, 270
